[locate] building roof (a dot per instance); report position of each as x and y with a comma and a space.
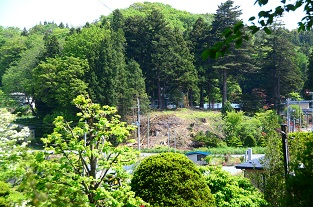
198, 153
256, 164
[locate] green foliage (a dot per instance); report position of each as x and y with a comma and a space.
276, 85
57, 75
11, 47
274, 188
7, 101
207, 139
295, 96
170, 179
238, 127
4, 193
265, 19
308, 83
176, 18
215, 151
233, 150
250, 141
231, 190
85, 169
162, 54
57, 81
296, 188
14, 159
300, 183
249, 131
234, 142
227, 108
19, 76
295, 112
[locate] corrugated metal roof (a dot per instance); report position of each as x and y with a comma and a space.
252, 164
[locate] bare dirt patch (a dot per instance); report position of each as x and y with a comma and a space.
176, 128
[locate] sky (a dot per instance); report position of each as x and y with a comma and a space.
28, 13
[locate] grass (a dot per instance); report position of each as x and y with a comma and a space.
233, 150
218, 160
185, 113
214, 151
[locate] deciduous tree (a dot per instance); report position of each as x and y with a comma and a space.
86, 169
57, 81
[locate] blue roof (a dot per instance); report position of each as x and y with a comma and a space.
252, 164
198, 153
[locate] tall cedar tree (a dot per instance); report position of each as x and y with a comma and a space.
51, 50
225, 17
199, 38
309, 82
163, 56
131, 84
280, 72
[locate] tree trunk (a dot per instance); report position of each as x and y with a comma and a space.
201, 97
224, 92
190, 98
160, 104
277, 91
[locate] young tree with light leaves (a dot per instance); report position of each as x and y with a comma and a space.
85, 168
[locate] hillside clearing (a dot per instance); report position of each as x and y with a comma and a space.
177, 127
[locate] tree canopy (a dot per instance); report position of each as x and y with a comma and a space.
170, 179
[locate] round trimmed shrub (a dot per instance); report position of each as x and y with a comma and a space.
249, 141
170, 179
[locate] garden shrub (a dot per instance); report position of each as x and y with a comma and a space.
207, 139
229, 190
300, 185
4, 193
234, 142
170, 179
227, 108
249, 141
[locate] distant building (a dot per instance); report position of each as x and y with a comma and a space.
23, 99
254, 170
198, 157
219, 106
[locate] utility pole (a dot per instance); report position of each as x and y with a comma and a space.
175, 140
307, 92
148, 131
168, 129
285, 148
300, 117
286, 156
138, 123
288, 114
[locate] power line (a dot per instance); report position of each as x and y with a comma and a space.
105, 5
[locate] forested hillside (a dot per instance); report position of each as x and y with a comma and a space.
150, 53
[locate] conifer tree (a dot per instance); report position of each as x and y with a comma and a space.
226, 16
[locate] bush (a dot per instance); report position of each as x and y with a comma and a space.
229, 190
227, 108
207, 139
234, 142
249, 141
4, 193
170, 179
301, 164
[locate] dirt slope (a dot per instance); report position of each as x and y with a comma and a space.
176, 127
